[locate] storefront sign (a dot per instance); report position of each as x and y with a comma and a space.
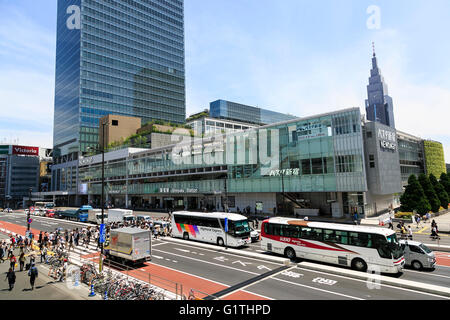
388, 139
86, 161
176, 190
27, 151
310, 130
285, 172
388, 145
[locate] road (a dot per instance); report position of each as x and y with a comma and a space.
209, 272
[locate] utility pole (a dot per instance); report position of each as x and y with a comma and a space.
103, 193
29, 210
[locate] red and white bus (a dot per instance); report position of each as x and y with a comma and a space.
353, 246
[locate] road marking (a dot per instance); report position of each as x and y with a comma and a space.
226, 253
422, 230
319, 289
381, 284
208, 262
183, 250
292, 274
242, 263
328, 282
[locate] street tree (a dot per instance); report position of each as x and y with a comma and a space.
430, 193
440, 191
414, 198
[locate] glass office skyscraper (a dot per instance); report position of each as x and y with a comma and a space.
122, 57
222, 109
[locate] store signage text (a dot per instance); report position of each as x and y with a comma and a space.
27, 151
285, 172
174, 190
388, 139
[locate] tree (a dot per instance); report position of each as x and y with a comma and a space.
414, 198
445, 181
440, 191
430, 193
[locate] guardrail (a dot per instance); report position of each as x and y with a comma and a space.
166, 286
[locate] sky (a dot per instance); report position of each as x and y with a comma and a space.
293, 56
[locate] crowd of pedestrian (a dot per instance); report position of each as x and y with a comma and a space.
24, 244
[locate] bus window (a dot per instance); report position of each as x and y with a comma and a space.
312, 234
329, 235
360, 239
380, 243
291, 231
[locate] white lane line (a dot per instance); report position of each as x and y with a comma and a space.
318, 289
213, 281
250, 272
224, 252
382, 285
208, 262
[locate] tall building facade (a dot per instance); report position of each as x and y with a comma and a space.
116, 57
379, 105
222, 109
19, 171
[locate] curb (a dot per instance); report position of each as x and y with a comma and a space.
435, 247
407, 284
62, 220
268, 258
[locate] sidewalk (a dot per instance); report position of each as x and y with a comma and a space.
46, 288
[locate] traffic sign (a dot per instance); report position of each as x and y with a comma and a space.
102, 233
30, 220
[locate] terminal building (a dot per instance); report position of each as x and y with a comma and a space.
330, 165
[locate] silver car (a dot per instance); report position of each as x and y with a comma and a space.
417, 255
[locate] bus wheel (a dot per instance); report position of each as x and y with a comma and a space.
220, 242
416, 265
289, 253
186, 236
359, 265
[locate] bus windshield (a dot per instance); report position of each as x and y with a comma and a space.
239, 227
394, 246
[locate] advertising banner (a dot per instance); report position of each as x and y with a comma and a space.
26, 151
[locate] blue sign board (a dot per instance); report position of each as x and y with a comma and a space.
226, 224
102, 233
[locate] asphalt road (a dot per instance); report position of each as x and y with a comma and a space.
225, 270
293, 284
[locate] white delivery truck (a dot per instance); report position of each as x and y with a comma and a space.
120, 215
95, 216
129, 245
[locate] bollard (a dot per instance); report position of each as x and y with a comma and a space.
92, 293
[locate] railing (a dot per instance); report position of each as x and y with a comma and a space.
165, 286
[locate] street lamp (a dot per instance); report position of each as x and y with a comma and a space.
102, 227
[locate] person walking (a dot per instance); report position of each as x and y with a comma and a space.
2, 252
22, 261
11, 276
12, 262
33, 274
410, 233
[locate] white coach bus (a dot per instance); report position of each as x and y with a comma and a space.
353, 246
210, 227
